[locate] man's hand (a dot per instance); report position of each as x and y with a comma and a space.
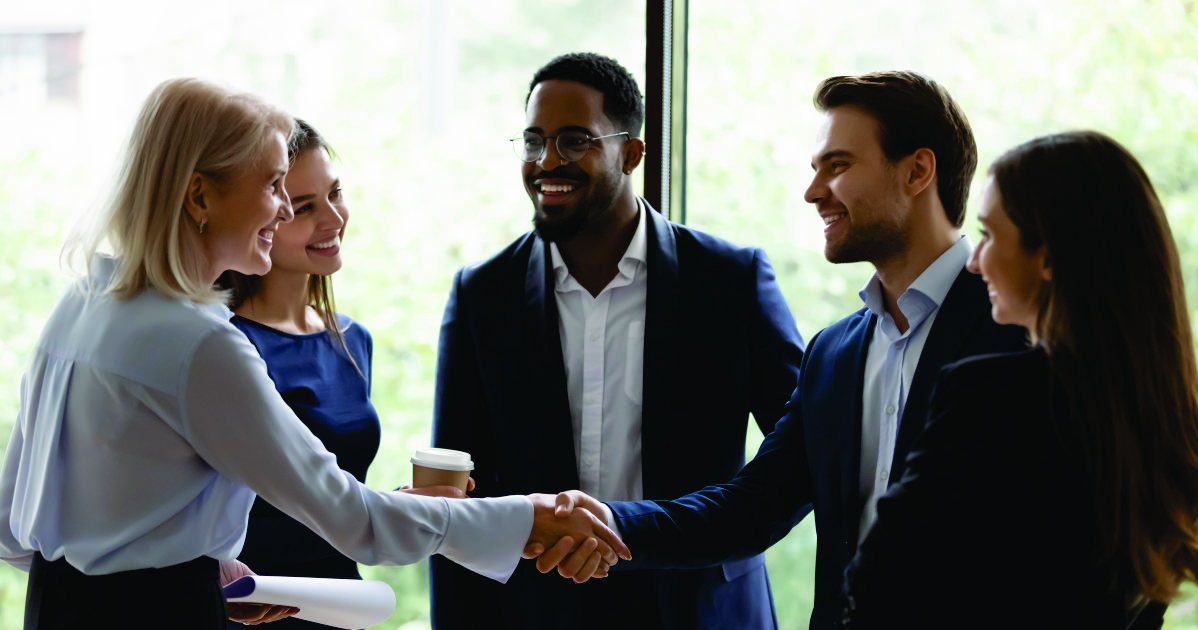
249, 614
449, 492
563, 555
557, 526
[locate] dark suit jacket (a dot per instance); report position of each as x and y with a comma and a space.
812, 459
990, 525
720, 343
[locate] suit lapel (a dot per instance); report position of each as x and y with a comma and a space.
849, 383
545, 373
963, 308
662, 319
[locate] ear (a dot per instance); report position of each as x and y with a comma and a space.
193, 197
1045, 264
920, 171
634, 151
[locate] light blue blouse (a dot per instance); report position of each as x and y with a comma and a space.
148, 425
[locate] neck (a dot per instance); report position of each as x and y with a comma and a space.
593, 257
283, 304
928, 241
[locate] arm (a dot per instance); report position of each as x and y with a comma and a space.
11, 551
239, 425
775, 346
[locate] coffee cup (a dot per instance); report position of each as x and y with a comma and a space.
440, 467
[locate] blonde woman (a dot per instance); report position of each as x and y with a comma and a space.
148, 422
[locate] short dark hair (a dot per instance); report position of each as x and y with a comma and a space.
913, 112
622, 101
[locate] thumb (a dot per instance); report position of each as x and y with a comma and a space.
563, 504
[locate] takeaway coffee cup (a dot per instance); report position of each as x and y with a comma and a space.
440, 467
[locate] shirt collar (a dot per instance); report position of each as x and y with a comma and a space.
634, 257
928, 291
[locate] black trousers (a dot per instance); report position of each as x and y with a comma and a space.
185, 596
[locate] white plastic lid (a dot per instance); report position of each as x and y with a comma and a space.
442, 458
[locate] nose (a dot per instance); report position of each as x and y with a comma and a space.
816, 192
333, 216
285, 212
973, 266
545, 161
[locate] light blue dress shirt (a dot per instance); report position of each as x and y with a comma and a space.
148, 425
890, 367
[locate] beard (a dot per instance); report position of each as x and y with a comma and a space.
874, 242
588, 212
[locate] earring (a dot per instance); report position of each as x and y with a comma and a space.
203, 224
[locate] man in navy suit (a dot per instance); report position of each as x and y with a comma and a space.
611, 350
893, 163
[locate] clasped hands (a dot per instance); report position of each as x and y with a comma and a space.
576, 541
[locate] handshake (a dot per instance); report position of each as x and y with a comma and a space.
576, 541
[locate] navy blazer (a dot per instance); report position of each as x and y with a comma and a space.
991, 525
812, 459
720, 343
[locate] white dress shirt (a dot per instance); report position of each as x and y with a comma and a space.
147, 426
890, 366
603, 349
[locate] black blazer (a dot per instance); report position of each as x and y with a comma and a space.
812, 459
990, 525
720, 343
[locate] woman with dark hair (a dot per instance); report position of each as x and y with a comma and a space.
319, 360
1055, 488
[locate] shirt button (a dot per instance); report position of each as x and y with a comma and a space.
594, 336
890, 410
885, 474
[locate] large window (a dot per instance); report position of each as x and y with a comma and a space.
419, 97
1019, 68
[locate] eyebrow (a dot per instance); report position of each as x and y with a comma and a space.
564, 129
302, 198
831, 155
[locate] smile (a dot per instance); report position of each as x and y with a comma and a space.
326, 244
831, 218
557, 188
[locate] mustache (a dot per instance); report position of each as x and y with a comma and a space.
561, 172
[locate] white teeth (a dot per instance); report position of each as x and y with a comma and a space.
268, 234
556, 187
833, 217
325, 245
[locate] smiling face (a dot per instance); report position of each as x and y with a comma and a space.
311, 243
569, 198
1013, 276
857, 190
244, 214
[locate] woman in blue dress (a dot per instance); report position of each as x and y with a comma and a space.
318, 359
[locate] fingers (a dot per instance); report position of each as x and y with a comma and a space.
470, 485
589, 569
533, 550
610, 537
554, 556
577, 561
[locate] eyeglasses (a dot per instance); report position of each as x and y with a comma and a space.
571, 145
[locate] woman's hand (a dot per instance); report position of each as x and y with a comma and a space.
244, 612
449, 492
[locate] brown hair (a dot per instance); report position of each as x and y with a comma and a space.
1125, 366
304, 138
913, 112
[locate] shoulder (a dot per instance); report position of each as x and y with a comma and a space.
509, 261
697, 245
352, 328
995, 383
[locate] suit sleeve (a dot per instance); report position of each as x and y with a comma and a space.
729, 521
776, 347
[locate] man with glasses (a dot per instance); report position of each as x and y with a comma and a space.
610, 350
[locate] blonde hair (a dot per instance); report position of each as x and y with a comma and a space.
185, 126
